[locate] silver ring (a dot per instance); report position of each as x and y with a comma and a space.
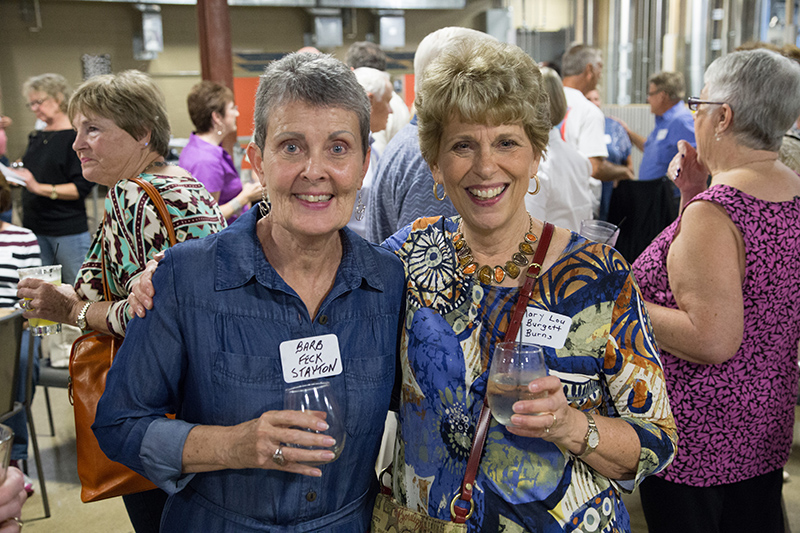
19, 522
26, 305
278, 457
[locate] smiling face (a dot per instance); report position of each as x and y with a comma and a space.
312, 166
486, 171
107, 152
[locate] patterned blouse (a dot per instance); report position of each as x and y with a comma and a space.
736, 419
134, 233
609, 365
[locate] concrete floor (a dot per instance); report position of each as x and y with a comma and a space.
69, 515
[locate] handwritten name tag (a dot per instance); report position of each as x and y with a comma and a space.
544, 328
311, 358
662, 134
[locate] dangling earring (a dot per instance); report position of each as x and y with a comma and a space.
436, 192
536, 179
219, 132
716, 136
360, 207
264, 207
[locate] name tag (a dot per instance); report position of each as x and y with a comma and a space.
662, 134
607, 138
311, 358
544, 328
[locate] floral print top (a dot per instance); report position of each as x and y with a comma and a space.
609, 366
134, 233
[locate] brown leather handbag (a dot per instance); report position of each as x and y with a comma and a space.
89, 362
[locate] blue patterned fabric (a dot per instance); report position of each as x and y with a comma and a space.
609, 366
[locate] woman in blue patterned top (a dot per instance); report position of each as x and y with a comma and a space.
606, 422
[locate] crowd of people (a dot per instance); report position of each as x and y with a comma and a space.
398, 244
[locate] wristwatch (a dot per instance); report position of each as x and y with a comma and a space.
53, 193
592, 438
82, 316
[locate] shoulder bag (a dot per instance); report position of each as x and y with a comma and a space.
388, 516
89, 362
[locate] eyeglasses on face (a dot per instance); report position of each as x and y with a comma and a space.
37, 103
694, 101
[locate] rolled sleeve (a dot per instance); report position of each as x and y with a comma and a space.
162, 453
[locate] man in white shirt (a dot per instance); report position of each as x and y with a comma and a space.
584, 126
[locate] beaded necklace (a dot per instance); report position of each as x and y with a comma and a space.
485, 273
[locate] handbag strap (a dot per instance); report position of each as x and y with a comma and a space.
163, 214
460, 514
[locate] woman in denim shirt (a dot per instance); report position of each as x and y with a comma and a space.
210, 351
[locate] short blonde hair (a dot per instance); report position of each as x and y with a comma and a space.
132, 100
53, 85
482, 81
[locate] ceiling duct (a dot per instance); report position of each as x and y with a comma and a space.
361, 4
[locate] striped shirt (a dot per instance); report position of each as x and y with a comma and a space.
18, 249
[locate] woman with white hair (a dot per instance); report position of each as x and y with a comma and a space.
379, 91
723, 293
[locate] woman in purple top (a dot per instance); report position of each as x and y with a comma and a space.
214, 114
723, 292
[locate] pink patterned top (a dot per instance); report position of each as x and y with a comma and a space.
735, 420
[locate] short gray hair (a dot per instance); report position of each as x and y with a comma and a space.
671, 83
574, 61
53, 85
434, 43
372, 80
763, 90
365, 54
319, 80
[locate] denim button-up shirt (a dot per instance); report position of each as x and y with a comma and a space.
209, 352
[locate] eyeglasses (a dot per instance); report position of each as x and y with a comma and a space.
654, 92
694, 101
36, 103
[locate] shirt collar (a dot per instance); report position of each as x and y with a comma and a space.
239, 258
673, 111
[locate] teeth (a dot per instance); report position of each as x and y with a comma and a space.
315, 197
486, 194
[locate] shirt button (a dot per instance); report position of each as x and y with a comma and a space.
311, 496
323, 319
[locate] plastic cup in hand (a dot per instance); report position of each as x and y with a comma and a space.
318, 397
600, 231
514, 366
6, 441
50, 274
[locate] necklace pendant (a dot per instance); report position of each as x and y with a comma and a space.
519, 259
526, 248
530, 237
485, 275
499, 274
470, 268
512, 269
464, 260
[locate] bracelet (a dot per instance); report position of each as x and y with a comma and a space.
82, 315
236, 205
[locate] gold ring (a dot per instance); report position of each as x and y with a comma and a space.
547, 429
278, 457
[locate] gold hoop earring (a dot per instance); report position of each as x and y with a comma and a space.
536, 179
436, 192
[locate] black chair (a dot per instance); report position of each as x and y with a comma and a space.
11, 332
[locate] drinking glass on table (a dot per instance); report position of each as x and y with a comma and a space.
318, 398
600, 231
6, 441
514, 366
50, 274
